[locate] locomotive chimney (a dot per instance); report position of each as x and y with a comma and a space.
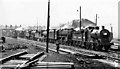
103, 27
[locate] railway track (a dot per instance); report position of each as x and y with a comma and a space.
23, 60
113, 61
105, 57
20, 60
109, 53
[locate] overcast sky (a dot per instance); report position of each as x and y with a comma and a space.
26, 12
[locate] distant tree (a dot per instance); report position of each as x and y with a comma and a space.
11, 26
16, 26
20, 25
6, 26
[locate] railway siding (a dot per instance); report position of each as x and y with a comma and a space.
73, 50
115, 55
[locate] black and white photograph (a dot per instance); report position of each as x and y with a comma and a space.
59, 34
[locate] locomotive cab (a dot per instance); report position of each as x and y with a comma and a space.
92, 33
95, 33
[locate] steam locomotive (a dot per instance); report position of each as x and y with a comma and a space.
89, 38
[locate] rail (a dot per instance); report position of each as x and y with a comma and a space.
12, 56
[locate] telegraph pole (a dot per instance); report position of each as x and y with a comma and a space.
37, 23
48, 22
111, 28
80, 17
81, 22
96, 19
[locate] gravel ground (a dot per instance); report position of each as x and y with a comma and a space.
71, 48
82, 63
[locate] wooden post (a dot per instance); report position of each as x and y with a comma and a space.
80, 17
48, 22
96, 19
